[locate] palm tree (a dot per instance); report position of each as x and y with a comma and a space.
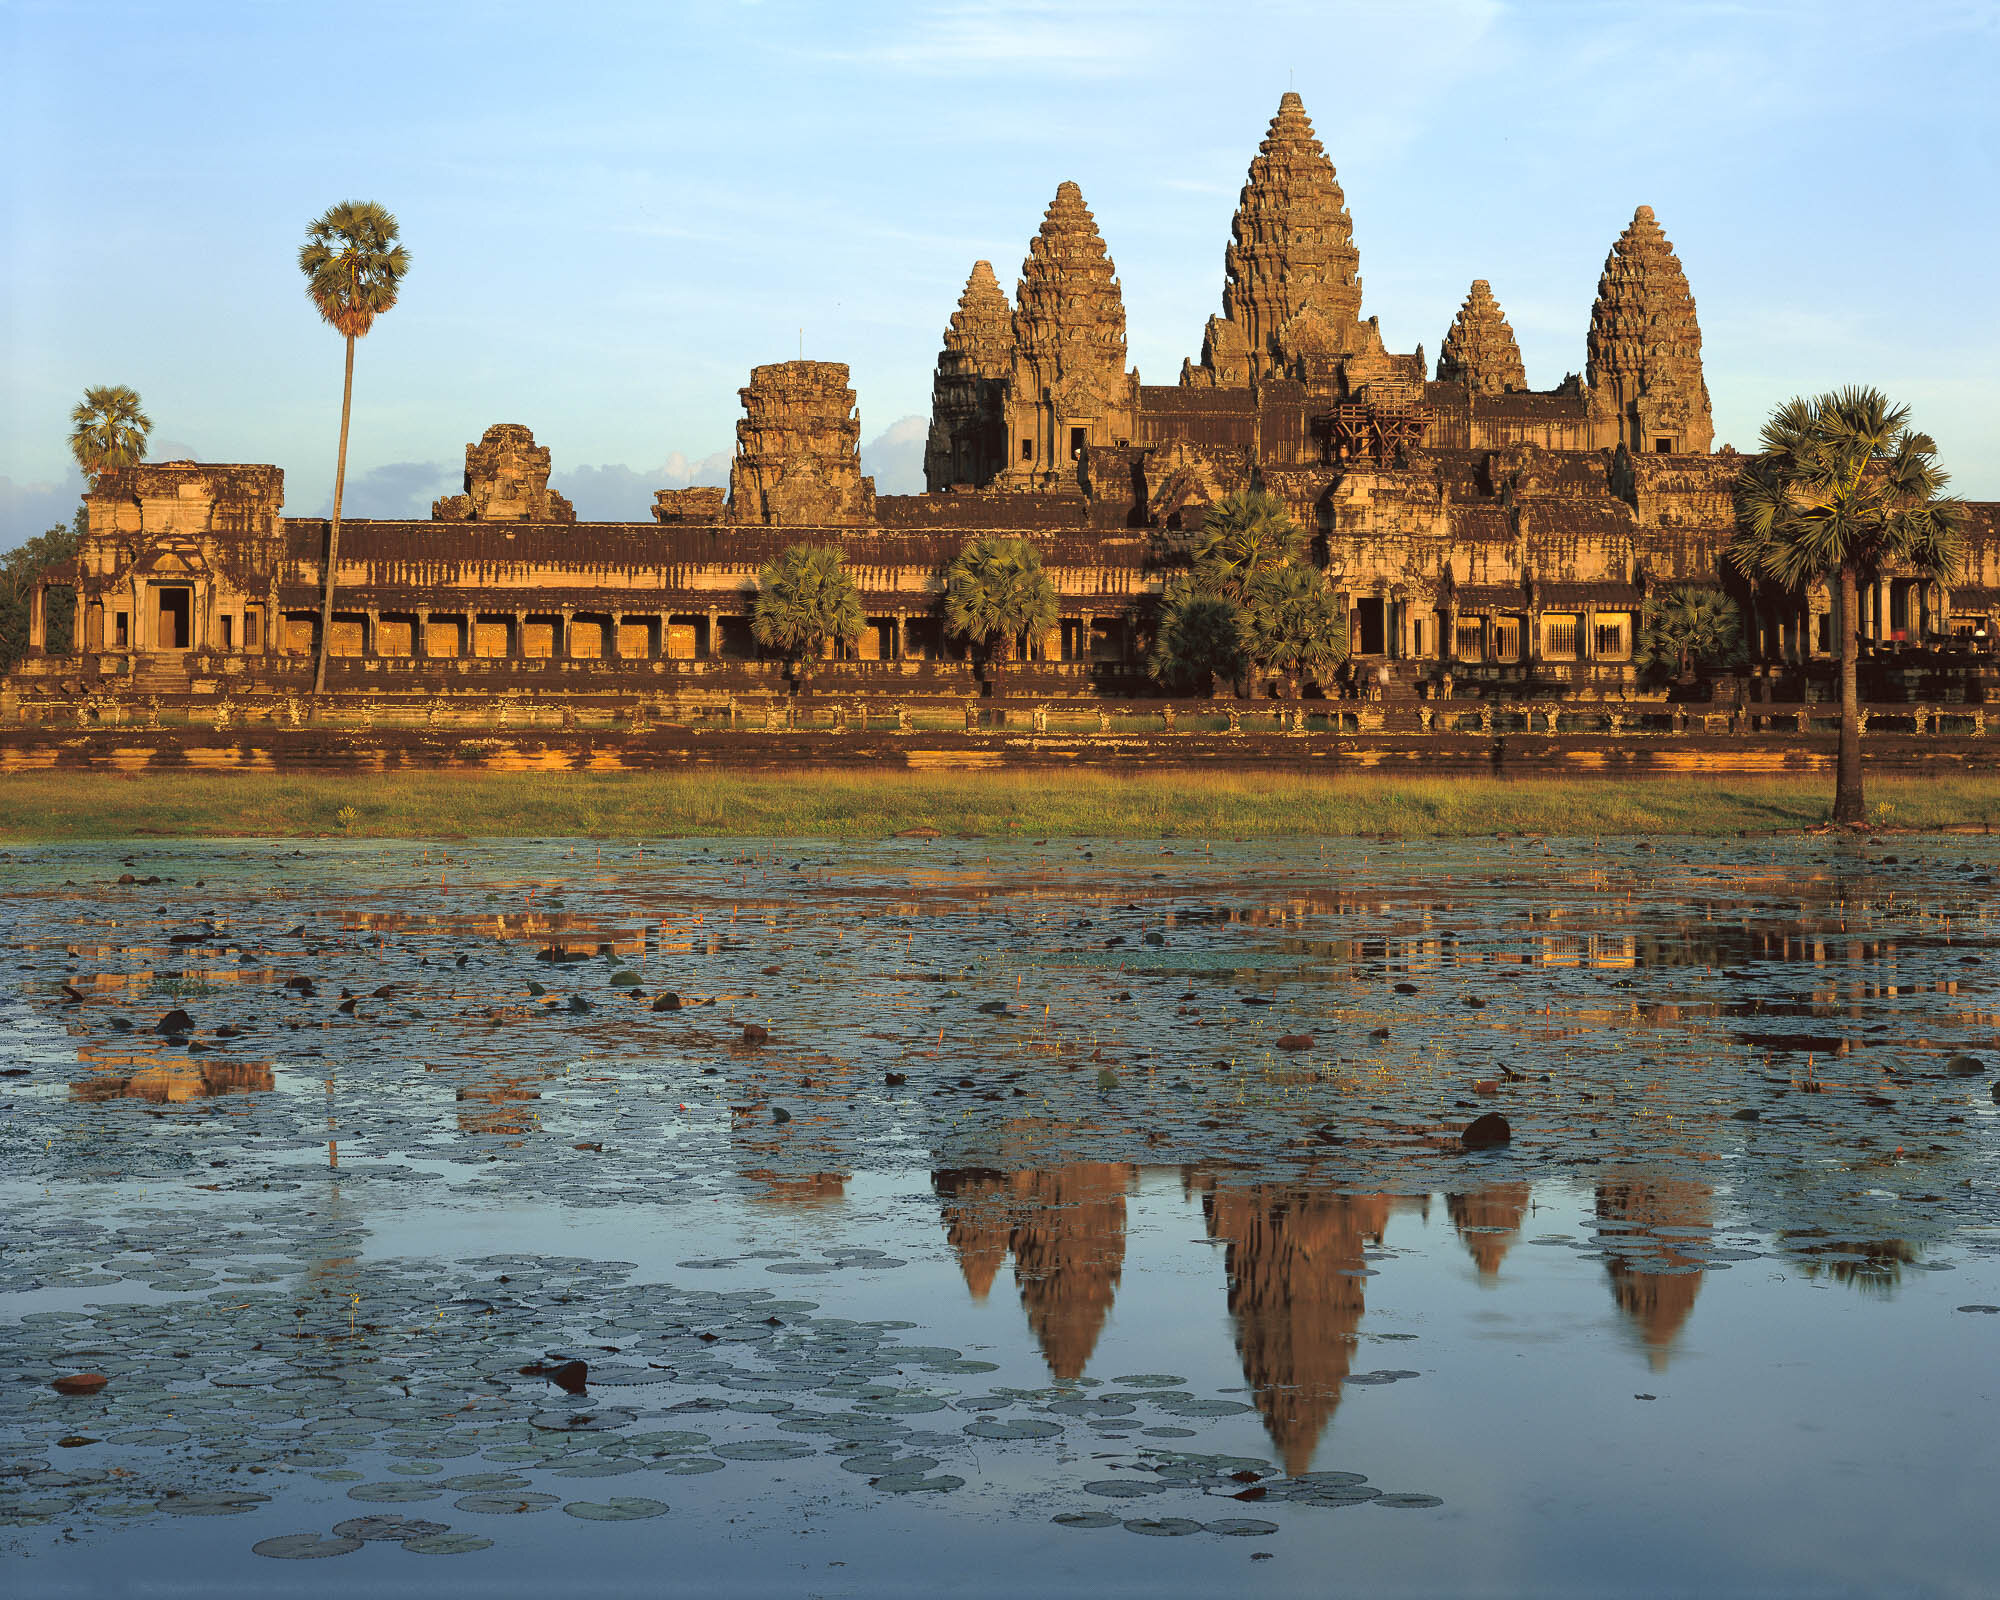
1245, 534
996, 592
1295, 623
353, 266
1684, 628
804, 598
1198, 641
1845, 489
109, 432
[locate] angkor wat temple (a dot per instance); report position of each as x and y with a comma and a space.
1505, 535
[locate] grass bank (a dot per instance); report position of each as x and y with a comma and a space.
871, 805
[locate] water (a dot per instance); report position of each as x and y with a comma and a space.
1090, 1217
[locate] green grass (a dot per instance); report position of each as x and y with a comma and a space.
1176, 802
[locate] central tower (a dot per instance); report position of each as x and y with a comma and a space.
1292, 276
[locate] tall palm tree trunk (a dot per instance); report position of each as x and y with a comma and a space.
333, 530
1848, 803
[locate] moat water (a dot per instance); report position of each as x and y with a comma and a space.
999, 1217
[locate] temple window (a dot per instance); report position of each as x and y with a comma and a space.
1559, 638
253, 628
1027, 449
350, 634
445, 636
1076, 441
122, 632
1471, 644
1506, 638
1663, 447
228, 625
1612, 636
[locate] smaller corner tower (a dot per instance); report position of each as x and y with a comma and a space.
968, 437
1480, 351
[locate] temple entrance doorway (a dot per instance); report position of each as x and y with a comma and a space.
1368, 627
176, 618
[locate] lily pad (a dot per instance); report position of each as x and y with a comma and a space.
304, 1546
447, 1544
393, 1493
763, 1450
1022, 1428
506, 1505
917, 1483
622, 1508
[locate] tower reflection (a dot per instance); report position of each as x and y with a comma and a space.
1657, 1235
1065, 1228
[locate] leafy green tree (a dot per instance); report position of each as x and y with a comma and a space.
805, 598
20, 569
1845, 490
1295, 623
353, 268
1688, 629
1199, 640
1253, 554
1243, 535
108, 431
996, 593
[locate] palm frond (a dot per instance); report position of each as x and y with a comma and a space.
996, 591
353, 265
804, 598
1844, 483
1200, 639
109, 430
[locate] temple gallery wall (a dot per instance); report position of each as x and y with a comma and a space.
1489, 540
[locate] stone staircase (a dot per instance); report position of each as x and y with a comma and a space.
158, 674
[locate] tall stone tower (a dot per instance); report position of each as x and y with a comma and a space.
968, 438
1480, 351
1646, 387
798, 449
1292, 276
1069, 388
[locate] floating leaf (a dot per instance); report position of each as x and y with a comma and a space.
624, 1508
304, 1546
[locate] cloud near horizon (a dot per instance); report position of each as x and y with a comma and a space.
402, 491
28, 510
614, 492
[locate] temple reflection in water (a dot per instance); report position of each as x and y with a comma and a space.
1655, 1259
1296, 1265
1065, 1228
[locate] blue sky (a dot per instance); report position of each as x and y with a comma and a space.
615, 211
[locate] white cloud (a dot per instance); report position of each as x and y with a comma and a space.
30, 509
895, 456
989, 38
401, 491
617, 493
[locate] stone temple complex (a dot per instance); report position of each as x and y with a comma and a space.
1492, 542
